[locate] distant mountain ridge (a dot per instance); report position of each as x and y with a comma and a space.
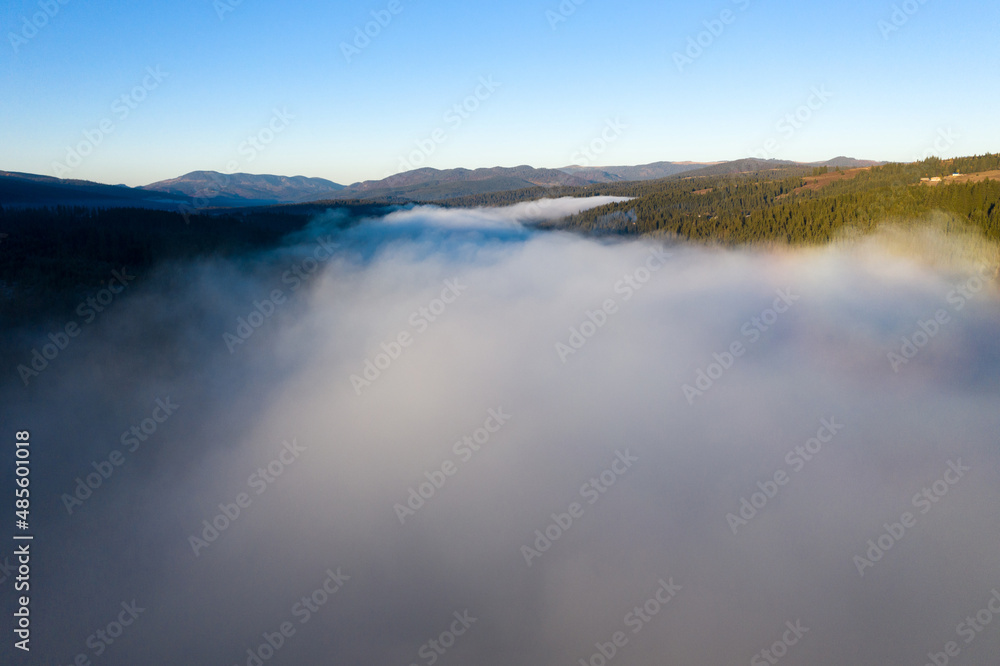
258, 189
847, 163
754, 164
428, 184
211, 189
652, 171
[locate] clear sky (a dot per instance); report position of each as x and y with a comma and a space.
559, 77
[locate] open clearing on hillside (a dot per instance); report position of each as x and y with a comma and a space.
964, 178
821, 181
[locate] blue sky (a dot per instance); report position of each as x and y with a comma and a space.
562, 77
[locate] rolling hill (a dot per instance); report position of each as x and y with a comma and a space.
232, 189
30, 190
642, 172
428, 184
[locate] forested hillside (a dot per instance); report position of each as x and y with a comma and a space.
50, 256
779, 207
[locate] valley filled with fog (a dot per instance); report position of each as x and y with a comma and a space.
444, 435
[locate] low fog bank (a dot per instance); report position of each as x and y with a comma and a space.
442, 437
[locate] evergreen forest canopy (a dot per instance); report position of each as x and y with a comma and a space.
781, 205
